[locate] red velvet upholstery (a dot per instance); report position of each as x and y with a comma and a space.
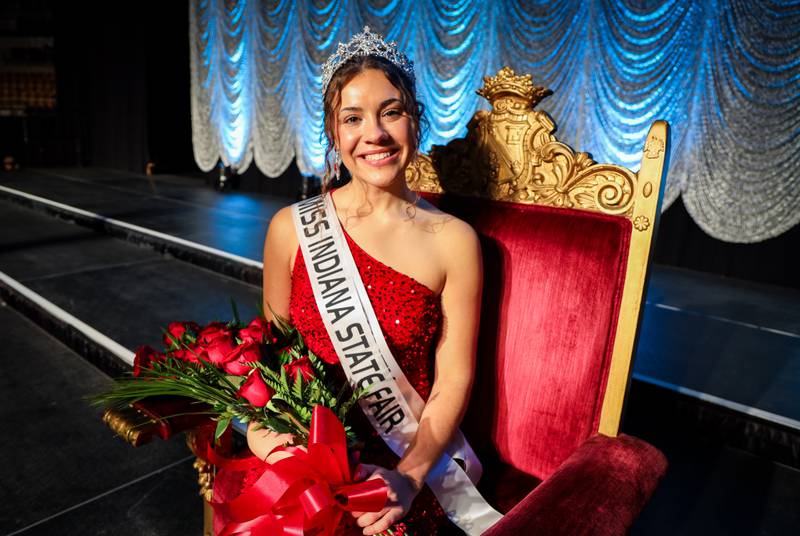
553, 282
597, 491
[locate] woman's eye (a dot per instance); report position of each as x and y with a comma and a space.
351, 119
393, 112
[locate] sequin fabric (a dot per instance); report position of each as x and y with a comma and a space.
409, 314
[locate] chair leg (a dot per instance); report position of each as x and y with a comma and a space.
205, 478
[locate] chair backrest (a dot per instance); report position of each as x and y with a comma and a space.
566, 244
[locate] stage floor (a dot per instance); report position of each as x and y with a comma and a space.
707, 342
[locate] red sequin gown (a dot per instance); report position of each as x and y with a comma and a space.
409, 314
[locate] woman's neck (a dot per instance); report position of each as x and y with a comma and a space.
360, 199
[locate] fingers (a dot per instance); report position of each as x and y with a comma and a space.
382, 524
263, 441
376, 522
365, 520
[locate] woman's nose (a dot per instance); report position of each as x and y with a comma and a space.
375, 131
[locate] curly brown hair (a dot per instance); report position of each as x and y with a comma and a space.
332, 100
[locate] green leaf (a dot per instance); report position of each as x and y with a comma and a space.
305, 413
285, 381
236, 381
297, 388
277, 425
281, 323
222, 425
235, 312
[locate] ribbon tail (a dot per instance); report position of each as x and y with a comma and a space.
326, 428
367, 496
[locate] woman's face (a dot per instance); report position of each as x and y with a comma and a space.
374, 134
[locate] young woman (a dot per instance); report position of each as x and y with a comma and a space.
421, 269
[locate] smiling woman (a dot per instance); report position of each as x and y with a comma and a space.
388, 92
421, 272
374, 134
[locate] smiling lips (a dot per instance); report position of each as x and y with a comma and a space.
379, 158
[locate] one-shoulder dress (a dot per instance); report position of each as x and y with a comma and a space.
409, 314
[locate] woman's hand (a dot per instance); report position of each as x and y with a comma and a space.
262, 441
402, 491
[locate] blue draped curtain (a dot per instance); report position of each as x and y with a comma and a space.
724, 73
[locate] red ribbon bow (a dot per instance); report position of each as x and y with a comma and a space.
306, 493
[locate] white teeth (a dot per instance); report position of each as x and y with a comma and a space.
377, 156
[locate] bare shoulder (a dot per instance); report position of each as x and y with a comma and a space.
282, 220
281, 238
455, 238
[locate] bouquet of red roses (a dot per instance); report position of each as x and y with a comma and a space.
261, 372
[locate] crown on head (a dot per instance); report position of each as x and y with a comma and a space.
365, 43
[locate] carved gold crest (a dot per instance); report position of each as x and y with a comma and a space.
511, 154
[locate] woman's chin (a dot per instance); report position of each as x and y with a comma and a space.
380, 177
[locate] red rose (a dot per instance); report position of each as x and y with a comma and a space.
300, 366
196, 353
144, 357
212, 332
258, 330
193, 354
175, 332
220, 350
248, 352
255, 391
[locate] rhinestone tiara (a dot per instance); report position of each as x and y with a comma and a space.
365, 43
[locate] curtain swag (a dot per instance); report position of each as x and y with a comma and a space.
724, 73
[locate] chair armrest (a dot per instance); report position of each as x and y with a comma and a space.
154, 417
599, 490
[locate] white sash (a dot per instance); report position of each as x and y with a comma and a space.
392, 406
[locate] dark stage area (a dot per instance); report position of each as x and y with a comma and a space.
716, 384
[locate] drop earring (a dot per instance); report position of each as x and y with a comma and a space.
337, 166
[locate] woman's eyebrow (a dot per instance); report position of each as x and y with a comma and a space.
384, 104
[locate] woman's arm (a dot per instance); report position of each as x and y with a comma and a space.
455, 370
455, 355
279, 247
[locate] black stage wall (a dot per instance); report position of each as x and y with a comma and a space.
682, 243
123, 84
